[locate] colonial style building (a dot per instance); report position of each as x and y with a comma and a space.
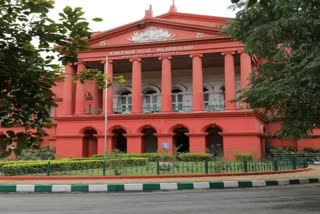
181, 75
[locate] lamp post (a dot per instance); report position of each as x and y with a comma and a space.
105, 120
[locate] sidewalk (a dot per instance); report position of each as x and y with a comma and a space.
313, 173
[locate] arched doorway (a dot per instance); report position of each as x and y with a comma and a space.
89, 143
149, 140
119, 140
181, 140
214, 141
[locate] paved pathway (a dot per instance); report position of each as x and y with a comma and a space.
302, 199
313, 173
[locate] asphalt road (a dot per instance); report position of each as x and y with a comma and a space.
279, 200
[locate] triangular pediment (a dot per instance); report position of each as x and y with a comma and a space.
153, 31
200, 20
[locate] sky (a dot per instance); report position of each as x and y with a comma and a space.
120, 12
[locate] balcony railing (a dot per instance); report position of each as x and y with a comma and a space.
122, 110
180, 108
151, 109
155, 109
214, 107
152, 104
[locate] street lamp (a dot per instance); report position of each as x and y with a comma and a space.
105, 119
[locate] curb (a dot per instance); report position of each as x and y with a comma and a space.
147, 187
53, 177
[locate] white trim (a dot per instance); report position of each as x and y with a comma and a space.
201, 185
168, 186
146, 88
25, 188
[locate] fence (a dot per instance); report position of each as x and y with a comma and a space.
101, 168
310, 157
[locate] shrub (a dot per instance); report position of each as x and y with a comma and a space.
40, 167
194, 157
37, 154
311, 150
125, 162
283, 150
152, 157
243, 156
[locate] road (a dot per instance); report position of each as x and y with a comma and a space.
278, 200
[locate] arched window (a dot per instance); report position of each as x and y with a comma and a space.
206, 101
151, 101
124, 102
222, 97
177, 100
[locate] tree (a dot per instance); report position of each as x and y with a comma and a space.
286, 35
26, 74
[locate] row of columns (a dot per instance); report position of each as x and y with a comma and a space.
166, 84
197, 142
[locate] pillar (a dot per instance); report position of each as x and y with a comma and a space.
165, 144
134, 143
80, 93
245, 69
95, 95
166, 84
101, 142
136, 85
68, 91
230, 81
197, 82
108, 69
197, 142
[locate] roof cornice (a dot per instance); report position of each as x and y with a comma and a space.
146, 22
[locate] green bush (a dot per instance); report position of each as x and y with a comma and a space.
283, 150
244, 156
37, 154
125, 162
40, 167
311, 150
194, 157
152, 157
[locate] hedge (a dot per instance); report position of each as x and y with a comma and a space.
40, 167
244, 156
194, 157
152, 157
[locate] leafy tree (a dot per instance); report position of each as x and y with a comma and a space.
26, 74
286, 35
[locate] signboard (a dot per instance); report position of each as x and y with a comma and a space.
165, 145
152, 51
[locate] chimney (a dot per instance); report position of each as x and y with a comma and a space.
148, 13
173, 8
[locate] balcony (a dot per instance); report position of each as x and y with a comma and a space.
181, 108
151, 109
122, 110
210, 108
181, 102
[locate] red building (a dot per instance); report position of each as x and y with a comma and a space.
181, 73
